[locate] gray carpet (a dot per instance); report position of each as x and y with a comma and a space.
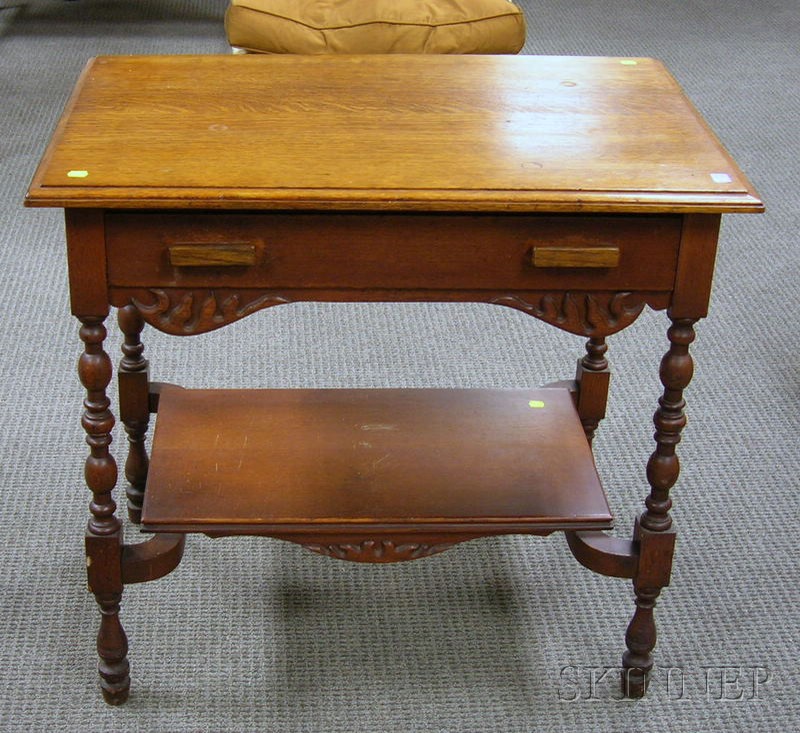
497, 635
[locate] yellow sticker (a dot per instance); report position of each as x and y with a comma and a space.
536, 403
77, 174
629, 62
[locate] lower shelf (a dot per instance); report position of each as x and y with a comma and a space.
355, 462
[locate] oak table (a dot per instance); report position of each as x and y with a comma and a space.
199, 190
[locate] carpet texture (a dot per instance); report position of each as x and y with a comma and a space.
505, 634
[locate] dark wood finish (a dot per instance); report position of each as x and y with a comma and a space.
94, 370
593, 377
571, 257
695, 266
112, 649
152, 559
662, 473
376, 547
604, 554
185, 312
261, 461
663, 467
655, 550
103, 533
200, 190
134, 408
86, 258
353, 251
156, 388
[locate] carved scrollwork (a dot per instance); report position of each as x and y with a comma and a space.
185, 312
378, 550
585, 314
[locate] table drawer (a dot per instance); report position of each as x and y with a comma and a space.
397, 251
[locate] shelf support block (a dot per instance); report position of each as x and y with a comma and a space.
152, 559
601, 553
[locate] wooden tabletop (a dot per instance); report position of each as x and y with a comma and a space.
386, 132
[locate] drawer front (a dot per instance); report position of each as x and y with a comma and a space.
397, 251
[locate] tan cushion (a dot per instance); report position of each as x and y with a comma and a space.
375, 26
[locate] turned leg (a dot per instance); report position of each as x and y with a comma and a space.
103, 533
593, 378
134, 408
654, 531
640, 638
112, 649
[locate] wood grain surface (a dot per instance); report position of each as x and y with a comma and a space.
419, 458
386, 132
357, 251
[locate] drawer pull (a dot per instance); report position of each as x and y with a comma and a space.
575, 257
212, 255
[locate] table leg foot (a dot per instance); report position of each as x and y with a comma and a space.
115, 698
640, 639
634, 683
112, 648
